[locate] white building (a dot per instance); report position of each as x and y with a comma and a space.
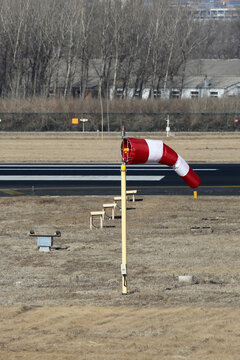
202, 78
211, 78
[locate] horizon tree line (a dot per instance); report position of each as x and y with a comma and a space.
45, 43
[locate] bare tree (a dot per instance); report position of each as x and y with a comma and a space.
14, 22
156, 33
48, 44
132, 44
85, 42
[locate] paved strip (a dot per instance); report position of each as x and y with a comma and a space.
153, 190
128, 169
11, 192
75, 165
57, 179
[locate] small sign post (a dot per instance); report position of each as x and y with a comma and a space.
168, 126
75, 121
83, 122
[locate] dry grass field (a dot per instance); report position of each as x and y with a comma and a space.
67, 304
76, 147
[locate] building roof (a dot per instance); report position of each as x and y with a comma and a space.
213, 67
218, 72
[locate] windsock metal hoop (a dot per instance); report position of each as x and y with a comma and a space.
141, 151
126, 150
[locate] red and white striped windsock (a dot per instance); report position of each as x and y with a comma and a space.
140, 151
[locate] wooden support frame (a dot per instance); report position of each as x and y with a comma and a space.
111, 206
98, 214
133, 193
118, 199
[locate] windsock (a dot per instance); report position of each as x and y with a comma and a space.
140, 151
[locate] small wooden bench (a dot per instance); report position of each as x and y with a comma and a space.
118, 199
133, 193
100, 215
110, 206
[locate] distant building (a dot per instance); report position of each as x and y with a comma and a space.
208, 78
212, 9
213, 3
202, 78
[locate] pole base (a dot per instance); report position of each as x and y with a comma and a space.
125, 293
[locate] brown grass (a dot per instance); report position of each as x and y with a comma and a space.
67, 304
42, 104
57, 147
70, 333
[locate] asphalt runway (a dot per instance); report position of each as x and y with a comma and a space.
105, 179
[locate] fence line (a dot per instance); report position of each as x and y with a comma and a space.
141, 122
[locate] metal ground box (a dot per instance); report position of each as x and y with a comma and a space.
44, 241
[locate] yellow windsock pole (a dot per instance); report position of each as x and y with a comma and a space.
124, 229
124, 216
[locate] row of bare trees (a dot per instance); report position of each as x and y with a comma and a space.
48, 44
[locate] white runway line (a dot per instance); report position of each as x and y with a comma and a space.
77, 178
